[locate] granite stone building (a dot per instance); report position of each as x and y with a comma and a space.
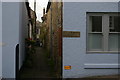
53, 27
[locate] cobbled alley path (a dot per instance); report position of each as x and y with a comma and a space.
40, 69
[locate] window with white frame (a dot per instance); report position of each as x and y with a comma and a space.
102, 32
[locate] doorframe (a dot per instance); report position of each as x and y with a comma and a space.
17, 62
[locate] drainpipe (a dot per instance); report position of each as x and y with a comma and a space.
35, 18
51, 34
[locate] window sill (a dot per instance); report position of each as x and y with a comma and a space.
103, 52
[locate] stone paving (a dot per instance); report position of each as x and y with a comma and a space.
40, 69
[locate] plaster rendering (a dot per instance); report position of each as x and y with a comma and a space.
82, 63
14, 27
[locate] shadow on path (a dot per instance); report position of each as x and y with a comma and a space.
40, 69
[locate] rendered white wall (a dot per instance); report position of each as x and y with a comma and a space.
0, 40
10, 36
74, 49
14, 31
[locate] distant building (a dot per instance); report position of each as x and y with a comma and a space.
38, 25
31, 25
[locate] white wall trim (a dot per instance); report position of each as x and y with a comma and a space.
90, 65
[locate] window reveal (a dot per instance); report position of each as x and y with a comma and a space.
103, 30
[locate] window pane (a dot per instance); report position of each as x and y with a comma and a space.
114, 23
113, 42
96, 23
95, 42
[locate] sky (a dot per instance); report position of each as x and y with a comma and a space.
40, 4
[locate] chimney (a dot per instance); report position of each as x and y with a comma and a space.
43, 11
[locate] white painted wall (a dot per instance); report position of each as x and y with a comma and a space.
10, 36
14, 20
0, 40
74, 49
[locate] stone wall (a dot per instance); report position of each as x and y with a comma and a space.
54, 33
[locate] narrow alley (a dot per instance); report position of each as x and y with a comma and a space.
59, 40
40, 69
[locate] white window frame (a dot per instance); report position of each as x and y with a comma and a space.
105, 30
